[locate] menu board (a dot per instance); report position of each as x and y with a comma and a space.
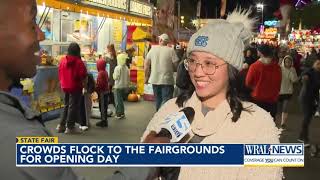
120, 4
140, 8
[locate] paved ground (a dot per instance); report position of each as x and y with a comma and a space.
138, 115
126, 130
311, 171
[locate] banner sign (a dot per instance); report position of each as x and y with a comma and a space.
46, 151
119, 4
140, 8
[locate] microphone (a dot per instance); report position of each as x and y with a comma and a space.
177, 125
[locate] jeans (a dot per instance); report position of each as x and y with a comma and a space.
308, 110
269, 107
103, 105
118, 97
85, 109
111, 97
71, 109
162, 94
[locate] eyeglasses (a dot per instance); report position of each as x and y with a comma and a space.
207, 67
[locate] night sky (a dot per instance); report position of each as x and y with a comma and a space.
210, 8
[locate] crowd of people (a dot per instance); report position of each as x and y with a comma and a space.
269, 77
78, 86
273, 74
215, 79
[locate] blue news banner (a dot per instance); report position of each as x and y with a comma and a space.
285, 155
128, 154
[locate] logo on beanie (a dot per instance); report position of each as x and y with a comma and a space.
201, 41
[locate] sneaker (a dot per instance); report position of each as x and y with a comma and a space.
83, 128
120, 116
300, 140
102, 124
60, 129
314, 150
73, 131
283, 126
306, 143
109, 113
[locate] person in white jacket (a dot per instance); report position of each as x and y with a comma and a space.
121, 75
289, 76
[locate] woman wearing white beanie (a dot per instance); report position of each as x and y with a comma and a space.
211, 89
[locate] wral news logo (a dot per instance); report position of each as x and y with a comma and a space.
283, 155
274, 149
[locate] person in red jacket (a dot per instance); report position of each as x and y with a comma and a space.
102, 88
72, 73
264, 78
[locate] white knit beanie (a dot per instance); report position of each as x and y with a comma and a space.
225, 39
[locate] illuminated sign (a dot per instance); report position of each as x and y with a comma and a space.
140, 8
271, 31
120, 4
272, 23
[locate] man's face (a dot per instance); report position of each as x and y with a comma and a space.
249, 53
316, 65
19, 39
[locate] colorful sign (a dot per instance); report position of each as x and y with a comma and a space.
140, 8
269, 33
120, 4
47, 92
117, 33
272, 23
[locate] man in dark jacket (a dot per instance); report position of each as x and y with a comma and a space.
19, 45
309, 98
72, 73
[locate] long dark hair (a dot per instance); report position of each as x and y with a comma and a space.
112, 50
74, 50
233, 94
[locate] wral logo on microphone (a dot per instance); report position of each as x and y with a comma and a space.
284, 155
180, 126
175, 130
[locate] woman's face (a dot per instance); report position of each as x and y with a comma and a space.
214, 83
287, 63
248, 53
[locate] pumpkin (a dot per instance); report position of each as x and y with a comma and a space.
133, 97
